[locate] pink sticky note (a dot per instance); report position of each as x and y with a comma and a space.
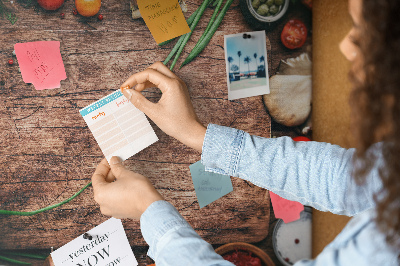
41, 63
284, 209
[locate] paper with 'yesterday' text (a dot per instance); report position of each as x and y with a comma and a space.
109, 246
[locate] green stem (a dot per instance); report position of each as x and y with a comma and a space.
209, 34
5, 212
209, 23
14, 261
187, 35
26, 255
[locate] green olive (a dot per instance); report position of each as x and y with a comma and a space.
263, 1
255, 3
270, 2
273, 9
278, 2
263, 10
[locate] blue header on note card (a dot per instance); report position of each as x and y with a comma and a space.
101, 102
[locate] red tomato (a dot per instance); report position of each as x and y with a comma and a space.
301, 138
294, 34
50, 4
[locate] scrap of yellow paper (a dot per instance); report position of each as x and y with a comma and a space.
164, 18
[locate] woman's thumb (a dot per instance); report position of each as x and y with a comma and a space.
138, 100
116, 166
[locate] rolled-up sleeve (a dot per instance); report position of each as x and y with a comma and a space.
313, 173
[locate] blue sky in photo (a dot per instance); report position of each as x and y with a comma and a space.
248, 47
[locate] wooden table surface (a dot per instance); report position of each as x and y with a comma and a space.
47, 152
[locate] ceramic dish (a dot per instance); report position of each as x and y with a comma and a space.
240, 246
260, 18
292, 241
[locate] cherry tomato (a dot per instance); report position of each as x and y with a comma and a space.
88, 8
294, 34
10, 62
50, 4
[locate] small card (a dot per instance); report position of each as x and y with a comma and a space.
164, 18
108, 246
246, 64
41, 64
209, 186
118, 126
284, 209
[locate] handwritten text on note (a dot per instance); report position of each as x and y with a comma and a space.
209, 186
41, 63
164, 18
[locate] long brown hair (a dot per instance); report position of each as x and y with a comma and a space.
376, 106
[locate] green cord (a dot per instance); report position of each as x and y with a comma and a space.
5, 212
26, 255
14, 261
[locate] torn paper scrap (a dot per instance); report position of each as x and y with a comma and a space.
41, 63
209, 186
284, 209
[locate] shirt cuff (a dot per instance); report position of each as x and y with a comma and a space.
157, 220
222, 148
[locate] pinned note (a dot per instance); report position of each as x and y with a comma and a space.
284, 209
164, 18
118, 126
106, 244
209, 186
41, 64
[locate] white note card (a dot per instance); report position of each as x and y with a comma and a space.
118, 126
109, 247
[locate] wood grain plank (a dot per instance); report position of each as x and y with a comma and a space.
47, 153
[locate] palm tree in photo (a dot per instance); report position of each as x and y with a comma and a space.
239, 54
262, 60
230, 60
247, 60
255, 58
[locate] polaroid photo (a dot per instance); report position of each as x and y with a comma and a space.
246, 64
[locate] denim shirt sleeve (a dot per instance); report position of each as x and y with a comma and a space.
312, 173
173, 241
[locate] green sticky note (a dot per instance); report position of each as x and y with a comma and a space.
209, 186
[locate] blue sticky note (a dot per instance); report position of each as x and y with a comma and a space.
209, 186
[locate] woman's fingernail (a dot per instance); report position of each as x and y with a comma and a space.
129, 92
124, 88
115, 160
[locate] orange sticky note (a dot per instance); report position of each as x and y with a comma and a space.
164, 18
41, 63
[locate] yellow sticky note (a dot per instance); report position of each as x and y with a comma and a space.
164, 18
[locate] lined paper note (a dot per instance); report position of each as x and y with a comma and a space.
118, 126
41, 64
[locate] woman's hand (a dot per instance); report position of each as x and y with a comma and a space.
173, 113
122, 193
